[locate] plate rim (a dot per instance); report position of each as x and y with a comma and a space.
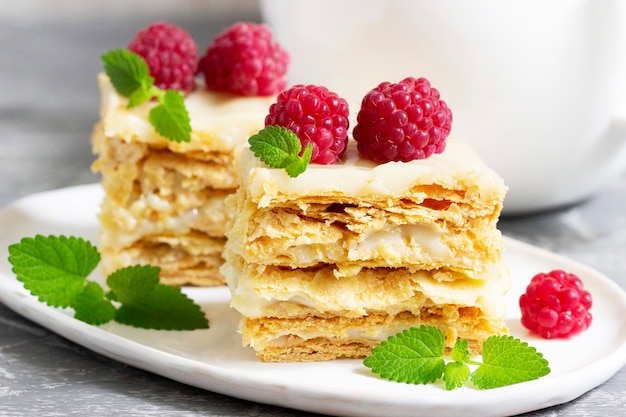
23, 304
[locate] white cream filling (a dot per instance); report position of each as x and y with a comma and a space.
398, 242
393, 243
375, 333
134, 223
354, 296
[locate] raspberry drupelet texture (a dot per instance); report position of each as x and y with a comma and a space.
317, 116
402, 121
171, 55
556, 305
245, 60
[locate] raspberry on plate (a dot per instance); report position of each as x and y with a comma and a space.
171, 55
556, 305
245, 60
402, 121
317, 116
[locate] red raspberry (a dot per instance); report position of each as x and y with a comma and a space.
171, 55
317, 116
556, 305
402, 122
246, 61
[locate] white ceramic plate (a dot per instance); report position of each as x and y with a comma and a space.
214, 359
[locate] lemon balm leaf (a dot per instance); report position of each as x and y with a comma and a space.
298, 166
53, 268
139, 96
164, 308
92, 307
275, 145
460, 351
127, 71
128, 284
507, 361
279, 147
130, 75
456, 374
148, 304
414, 356
170, 119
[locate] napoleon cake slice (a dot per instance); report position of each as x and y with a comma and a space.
328, 264
394, 229
164, 201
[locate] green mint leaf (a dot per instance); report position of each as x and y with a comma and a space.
111, 296
298, 166
279, 147
130, 75
127, 71
170, 119
414, 356
456, 374
53, 268
460, 351
508, 361
140, 96
148, 304
92, 307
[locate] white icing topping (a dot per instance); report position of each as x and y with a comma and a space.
456, 168
219, 121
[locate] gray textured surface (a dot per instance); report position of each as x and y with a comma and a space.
48, 104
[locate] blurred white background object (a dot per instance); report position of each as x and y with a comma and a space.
532, 84
38, 10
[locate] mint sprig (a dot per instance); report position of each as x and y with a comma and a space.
55, 270
507, 361
279, 147
416, 356
457, 371
92, 306
147, 303
130, 75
